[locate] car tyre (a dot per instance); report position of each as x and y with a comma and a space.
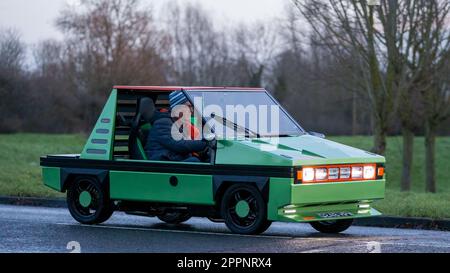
244, 210
335, 226
88, 202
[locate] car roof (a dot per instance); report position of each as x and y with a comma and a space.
185, 88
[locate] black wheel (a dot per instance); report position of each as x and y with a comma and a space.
87, 201
244, 210
335, 226
175, 217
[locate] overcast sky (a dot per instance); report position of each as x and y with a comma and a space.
35, 18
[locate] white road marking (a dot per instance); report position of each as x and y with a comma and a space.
412, 244
318, 250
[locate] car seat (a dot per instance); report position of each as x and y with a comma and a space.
137, 138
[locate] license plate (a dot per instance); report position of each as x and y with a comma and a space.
335, 214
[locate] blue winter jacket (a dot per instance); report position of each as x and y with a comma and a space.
161, 146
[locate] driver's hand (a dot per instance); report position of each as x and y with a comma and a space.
212, 144
203, 155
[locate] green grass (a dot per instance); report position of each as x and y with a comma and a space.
416, 203
394, 161
21, 175
19, 161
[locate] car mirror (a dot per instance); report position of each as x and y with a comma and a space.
317, 134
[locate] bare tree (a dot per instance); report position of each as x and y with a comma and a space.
53, 88
433, 43
199, 53
12, 51
12, 80
255, 47
111, 42
348, 25
401, 46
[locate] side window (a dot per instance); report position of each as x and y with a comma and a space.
125, 144
132, 139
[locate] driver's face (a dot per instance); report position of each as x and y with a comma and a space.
191, 107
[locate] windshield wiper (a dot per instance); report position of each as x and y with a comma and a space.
235, 126
282, 135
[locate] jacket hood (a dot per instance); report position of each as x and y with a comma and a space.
160, 115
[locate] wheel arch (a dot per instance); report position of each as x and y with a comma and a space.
68, 175
222, 182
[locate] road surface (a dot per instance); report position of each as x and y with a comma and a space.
37, 229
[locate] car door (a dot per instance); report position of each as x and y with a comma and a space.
156, 181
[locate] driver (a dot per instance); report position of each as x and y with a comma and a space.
162, 146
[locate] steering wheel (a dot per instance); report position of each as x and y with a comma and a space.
206, 154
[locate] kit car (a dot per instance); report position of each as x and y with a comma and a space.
247, 182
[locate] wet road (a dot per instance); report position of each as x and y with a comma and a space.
36, 229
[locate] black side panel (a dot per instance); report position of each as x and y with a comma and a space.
220, 182
162, 167
68, 173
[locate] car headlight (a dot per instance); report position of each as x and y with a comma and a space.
369, 172
333, 173
308, 174
340, 173
321, 173
345, 172
357, 172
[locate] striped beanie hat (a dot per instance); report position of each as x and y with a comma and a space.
177, 98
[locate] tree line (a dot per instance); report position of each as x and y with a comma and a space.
399, 53
342, 67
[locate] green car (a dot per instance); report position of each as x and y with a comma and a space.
250, 177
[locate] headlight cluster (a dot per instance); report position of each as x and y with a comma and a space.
336, 173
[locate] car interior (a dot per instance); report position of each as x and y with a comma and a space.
139, 128
134, 112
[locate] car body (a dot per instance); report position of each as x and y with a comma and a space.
291, 177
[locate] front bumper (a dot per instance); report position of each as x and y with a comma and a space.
331, 201
293, 213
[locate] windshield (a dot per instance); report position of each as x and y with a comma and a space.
249, 113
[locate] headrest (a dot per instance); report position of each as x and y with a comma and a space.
146, 109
